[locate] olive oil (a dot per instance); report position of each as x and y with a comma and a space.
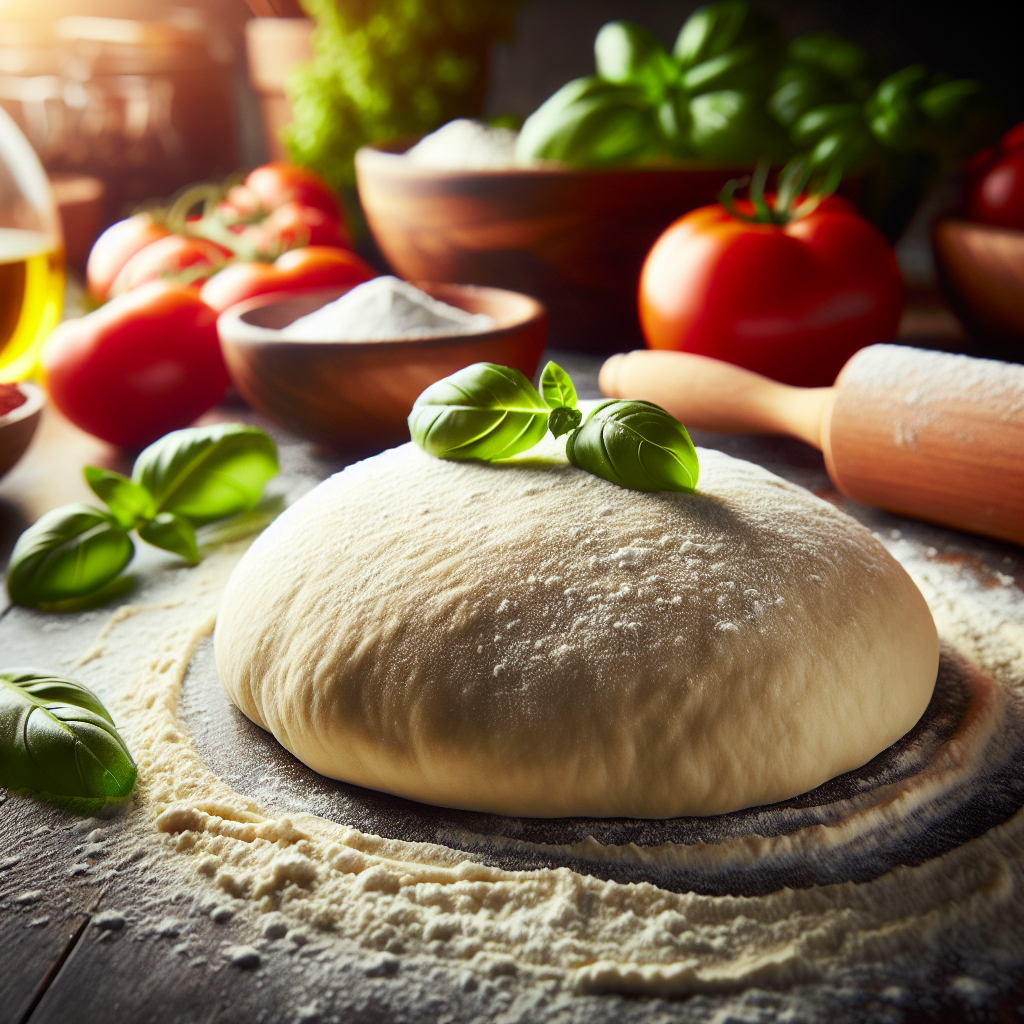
31, 298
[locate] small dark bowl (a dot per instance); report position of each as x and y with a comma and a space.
19, 425
358, 394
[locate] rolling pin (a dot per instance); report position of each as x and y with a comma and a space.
924, 434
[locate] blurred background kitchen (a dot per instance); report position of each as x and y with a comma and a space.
124, 100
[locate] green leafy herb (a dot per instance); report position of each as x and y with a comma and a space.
389, 68
629, 54
172, 532
490, 412
127, 501
57, 738
484, 412
557, 387
590, 121
187, 478
206, 473
563, 419
66, 553
733, 92
636, 445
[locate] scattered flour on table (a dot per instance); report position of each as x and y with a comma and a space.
385, 309
587, 934
465, 145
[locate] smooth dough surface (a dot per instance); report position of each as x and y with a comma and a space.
528, 639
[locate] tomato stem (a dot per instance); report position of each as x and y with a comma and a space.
794, 181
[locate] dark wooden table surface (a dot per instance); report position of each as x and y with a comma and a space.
88, 935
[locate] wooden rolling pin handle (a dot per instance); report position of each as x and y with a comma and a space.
925, 434
708, 394
931, 435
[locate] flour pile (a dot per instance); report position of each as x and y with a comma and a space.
385, 309
464, 145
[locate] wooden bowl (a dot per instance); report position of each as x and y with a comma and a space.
574, 238
981, 271
357, 394
19, 425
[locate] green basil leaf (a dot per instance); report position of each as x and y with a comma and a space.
204, 473
629, 54
557, 387
716, 28
172, 532
750, 68
823, 120
127, 501
484, 412
799, 88
636, 445
68, 552
563, 419
56, 737
590, 121
848, 149
840, 58
735, 128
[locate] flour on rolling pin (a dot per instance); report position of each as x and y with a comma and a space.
931, 435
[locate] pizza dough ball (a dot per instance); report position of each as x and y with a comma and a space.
529, 639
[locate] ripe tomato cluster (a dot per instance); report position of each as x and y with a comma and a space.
149, 360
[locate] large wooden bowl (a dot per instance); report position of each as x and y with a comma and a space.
574, 238
981, 271
19, 425
358, 394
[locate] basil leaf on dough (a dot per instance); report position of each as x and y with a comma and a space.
563, 419
172, 533
67, 552
205, 473
484, 412
636, 445
56, 737
557, 388
127, 501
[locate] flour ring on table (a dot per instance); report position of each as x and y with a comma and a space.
528, 639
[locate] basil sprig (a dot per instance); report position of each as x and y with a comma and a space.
636, 445
187, 478
490, 412
57, 738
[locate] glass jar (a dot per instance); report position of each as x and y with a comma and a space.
31, 255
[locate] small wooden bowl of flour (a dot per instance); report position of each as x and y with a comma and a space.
356, 394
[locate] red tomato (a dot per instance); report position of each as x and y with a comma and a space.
791, 302
115, 247
280, 183
995, 182
240, 204
143, 364
292, 226
180, 258
316, 266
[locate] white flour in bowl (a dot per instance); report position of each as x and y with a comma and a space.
382, 310
464, 145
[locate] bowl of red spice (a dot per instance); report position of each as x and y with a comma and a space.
20, 407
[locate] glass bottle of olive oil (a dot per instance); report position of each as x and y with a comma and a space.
31, 255
31, 298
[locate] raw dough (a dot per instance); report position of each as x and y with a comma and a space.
529, 639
